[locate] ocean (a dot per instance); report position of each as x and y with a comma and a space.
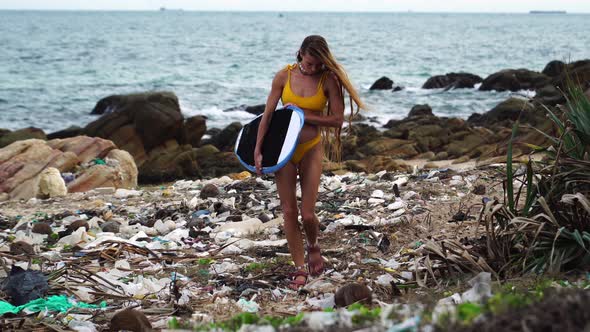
55, 65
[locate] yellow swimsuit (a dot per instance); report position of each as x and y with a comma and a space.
316, 103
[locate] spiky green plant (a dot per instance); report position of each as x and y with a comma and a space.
550, 231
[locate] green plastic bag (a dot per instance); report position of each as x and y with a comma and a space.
59, 303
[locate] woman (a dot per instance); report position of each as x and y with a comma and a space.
315, 81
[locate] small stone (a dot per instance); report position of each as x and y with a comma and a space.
111, 226
353, 293
41, 228
377, 193
130, 320
263, 217
107, 215
21, 248
77, 224
209, 190
480, 189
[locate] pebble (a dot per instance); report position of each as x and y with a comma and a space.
111, 226
209, 190
41, 228
21, 248
353, 293
130, 320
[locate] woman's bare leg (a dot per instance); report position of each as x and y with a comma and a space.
286, 179
310, 171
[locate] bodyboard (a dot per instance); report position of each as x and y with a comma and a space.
279, 143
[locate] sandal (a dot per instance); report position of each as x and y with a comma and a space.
297, 284
315, 266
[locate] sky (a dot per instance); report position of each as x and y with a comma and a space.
504, 6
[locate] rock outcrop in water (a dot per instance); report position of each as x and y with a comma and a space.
514, 80
452, 81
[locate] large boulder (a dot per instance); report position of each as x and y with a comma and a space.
506, 112
514, 80
29, 168
549, 95
194, 129
214, 163
421, 110
71, 131
383, 83
153, 117
577, 73
225, 139
22, 134
554, 68
452, 81
170, 161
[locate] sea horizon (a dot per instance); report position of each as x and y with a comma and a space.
296, 11
55, 67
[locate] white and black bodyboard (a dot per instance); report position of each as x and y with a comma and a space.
279, 143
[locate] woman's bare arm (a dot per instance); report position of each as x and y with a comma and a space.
336, 104
271, 104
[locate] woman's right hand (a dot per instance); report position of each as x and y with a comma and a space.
258, 162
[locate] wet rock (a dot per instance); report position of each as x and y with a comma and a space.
71, 131
21, 248
420, 110
41, 228
508, 111
554, 68
353, 293
130, 320
514, 80
194, 129
384, 83
452, 81
256, 109
579, 71
20, 135
226, 138
209, 190
549, 95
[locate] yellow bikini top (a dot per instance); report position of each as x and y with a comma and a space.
316, 102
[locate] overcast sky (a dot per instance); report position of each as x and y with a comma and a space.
309, 5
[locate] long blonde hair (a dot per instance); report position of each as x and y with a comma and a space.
317, 46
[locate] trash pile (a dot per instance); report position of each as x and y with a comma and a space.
204, 251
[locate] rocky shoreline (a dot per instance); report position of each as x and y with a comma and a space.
146, 215
165, 146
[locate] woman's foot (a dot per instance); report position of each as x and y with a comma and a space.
315, 262
298, 279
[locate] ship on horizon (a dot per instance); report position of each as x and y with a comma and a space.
547, 12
